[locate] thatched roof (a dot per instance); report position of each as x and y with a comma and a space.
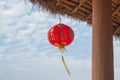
80, 10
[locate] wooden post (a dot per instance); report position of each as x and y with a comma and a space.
102, 41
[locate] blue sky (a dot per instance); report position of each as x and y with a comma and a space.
26, 54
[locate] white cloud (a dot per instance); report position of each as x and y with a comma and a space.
87, 34
117, 58
117, 72
52, 67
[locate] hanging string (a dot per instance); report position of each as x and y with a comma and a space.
59, 18
68, 71
32, 8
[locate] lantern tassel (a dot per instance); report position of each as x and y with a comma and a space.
66, 66
61, 47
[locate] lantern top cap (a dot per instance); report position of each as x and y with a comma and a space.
80, 10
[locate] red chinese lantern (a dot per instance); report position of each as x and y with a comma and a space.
60, 35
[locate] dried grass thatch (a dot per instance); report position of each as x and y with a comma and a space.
80, 10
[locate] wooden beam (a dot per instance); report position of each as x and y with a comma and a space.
69, 3
70, 9
80, 14
85, 10
102, 41
88, 16
118, 29
114, 24
89, 2
113, 4
118, 18
88, 6
80, 4
65, 6
76, 1
116, 11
